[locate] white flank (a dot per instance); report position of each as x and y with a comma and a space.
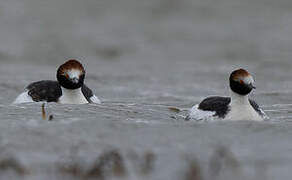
95, 99
196, 114
23, 98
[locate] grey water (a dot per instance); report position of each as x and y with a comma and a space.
149, 62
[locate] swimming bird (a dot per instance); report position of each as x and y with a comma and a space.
68, 89
236, 107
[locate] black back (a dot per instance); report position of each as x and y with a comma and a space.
46, 90
220, 105
51, 91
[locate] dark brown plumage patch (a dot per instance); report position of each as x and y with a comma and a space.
71, 64
238, 74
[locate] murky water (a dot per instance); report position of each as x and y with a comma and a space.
143, 59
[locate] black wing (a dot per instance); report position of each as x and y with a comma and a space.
256, 107
46, 90
216, 104
87, 93
51, 91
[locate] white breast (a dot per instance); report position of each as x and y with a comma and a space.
72, 97
240, 109
243, 112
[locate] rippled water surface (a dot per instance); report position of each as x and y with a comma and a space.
149, 62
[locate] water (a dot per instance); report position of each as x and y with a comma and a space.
143, 58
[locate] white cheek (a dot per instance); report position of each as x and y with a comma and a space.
248, 80
74, 73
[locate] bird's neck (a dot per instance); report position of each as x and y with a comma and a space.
72, 96
237, 99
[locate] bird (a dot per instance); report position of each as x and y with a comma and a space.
236, 107
68, 89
